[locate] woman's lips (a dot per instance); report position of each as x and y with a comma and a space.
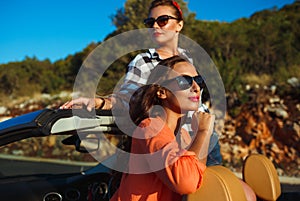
194, 98
156, 34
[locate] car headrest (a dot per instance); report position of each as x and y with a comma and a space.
219, 184
260, 174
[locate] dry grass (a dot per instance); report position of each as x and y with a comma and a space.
253, 79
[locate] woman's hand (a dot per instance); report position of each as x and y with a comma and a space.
89, 103
202, 125
203, 122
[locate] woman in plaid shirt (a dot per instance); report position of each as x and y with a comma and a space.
165, 22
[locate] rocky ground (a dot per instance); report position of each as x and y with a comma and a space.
266, 124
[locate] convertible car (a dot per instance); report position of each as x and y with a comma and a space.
55, 155
42, 157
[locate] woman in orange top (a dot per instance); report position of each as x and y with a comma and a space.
159, 167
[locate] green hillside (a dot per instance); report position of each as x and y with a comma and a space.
263, 49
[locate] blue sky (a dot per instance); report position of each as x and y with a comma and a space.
57, 28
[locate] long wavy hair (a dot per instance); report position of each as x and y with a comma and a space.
142, 102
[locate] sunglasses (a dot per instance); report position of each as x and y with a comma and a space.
161, 20
185, 82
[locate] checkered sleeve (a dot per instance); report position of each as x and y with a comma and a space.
139, 70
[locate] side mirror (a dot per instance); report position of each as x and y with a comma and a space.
87, 144
83, 144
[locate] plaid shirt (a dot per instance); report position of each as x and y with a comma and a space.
139, 69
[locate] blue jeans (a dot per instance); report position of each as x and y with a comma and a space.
214, 156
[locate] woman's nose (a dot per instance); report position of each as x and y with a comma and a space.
155, 25
195, 86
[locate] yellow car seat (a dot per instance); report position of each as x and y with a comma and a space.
260, 174
219, 184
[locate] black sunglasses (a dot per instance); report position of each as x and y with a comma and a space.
185, 82
161, 20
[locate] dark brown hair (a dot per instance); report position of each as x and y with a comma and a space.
170, 3
143, 100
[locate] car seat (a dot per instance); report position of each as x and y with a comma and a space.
260, 174
219, 184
